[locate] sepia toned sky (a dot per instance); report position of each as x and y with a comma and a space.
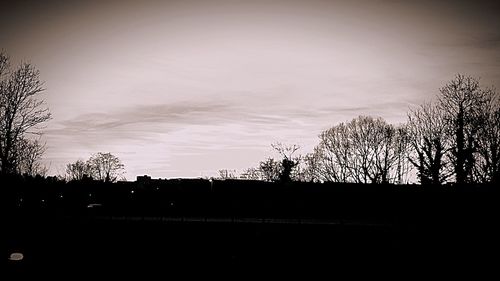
184, 88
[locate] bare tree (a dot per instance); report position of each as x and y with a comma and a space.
225, 174
308, 168
28, 157
4, 65
364, 150
289, 162
362, 134
387, 152
334, 154
463, 101
21, 112
270, 169
105, 167
487, 168
402, 151
286, 151
78, 171
251, 174
430, 143
376, 153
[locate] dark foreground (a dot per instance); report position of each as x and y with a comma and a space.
282, 230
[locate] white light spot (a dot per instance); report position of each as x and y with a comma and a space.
16, 257
93, 205
132, 191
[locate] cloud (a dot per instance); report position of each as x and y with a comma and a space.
137, 121
132, 121
158, 139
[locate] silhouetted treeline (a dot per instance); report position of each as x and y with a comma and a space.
238, 198
100, 166
453, 138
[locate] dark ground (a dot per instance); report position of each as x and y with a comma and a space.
354, 232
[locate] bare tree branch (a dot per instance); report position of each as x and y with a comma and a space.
21, 112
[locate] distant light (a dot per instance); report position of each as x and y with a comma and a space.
94, 205
132, 191
61, 196
16, 257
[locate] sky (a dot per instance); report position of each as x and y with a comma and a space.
185, 88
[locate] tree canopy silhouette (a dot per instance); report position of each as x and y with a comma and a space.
430, 143
21, 113
78, 171
465, 107
365, 150
100, 166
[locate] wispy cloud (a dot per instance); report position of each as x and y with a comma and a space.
159, 133
137, 119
